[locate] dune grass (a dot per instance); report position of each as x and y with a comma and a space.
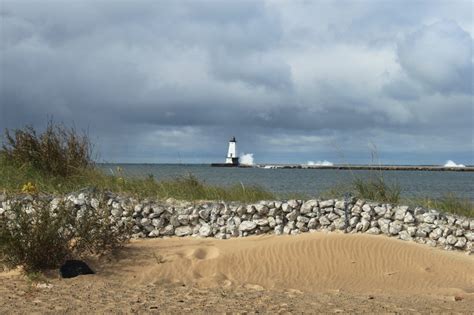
371, 188
449, 202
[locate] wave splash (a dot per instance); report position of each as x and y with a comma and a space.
451, 163
320, 163
246, 159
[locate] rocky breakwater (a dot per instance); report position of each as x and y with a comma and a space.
223, 220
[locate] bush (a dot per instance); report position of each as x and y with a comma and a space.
58, 151
41, 235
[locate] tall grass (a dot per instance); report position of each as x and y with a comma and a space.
58, 151
449, 202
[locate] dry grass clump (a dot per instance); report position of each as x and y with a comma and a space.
42, 235
58, 151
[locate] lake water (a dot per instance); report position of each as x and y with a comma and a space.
310, 182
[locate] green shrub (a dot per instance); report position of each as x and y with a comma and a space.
58, 151
39, 236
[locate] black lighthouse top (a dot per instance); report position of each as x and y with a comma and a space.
233, 140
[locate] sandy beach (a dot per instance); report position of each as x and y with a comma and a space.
313, 272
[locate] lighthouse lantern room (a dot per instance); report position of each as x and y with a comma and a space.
232, 158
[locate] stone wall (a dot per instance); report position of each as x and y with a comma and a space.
223, 220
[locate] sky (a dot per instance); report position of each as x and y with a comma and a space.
293, 81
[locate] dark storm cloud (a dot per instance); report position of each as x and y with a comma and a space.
173, 80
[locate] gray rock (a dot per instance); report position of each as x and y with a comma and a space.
313, 223
204, 214
167, 230
461, 242
409, 218
436, 233
380, 211
271, 222
373, 231
174, 221
145, 222
95, 203
278, 229
261, 222
241, 210
384, 225
303, 219
326, 204
366, 208
246, 226
154, 233
340, 224
308, 206
332, 216
183, 219
292, 215
353, 221
157, 209
451, 240
117, 212
220, 221
441, 240
340, 204
395, 227
363, 225
428, 217
469, 235
400, 213
293, 204
157, 223
404, 235
301, 226
286, 207
324, 221
261, 209
411, 230
356, 210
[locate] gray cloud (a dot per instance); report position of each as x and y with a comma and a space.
169, 80
439, 56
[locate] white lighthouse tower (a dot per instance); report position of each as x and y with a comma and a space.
232, 158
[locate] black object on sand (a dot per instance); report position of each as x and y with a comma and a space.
74, 268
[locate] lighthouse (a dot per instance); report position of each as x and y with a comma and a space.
232, 158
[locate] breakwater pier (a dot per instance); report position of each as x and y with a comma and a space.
468, 168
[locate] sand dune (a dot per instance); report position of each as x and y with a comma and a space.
309, 262
325, 272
